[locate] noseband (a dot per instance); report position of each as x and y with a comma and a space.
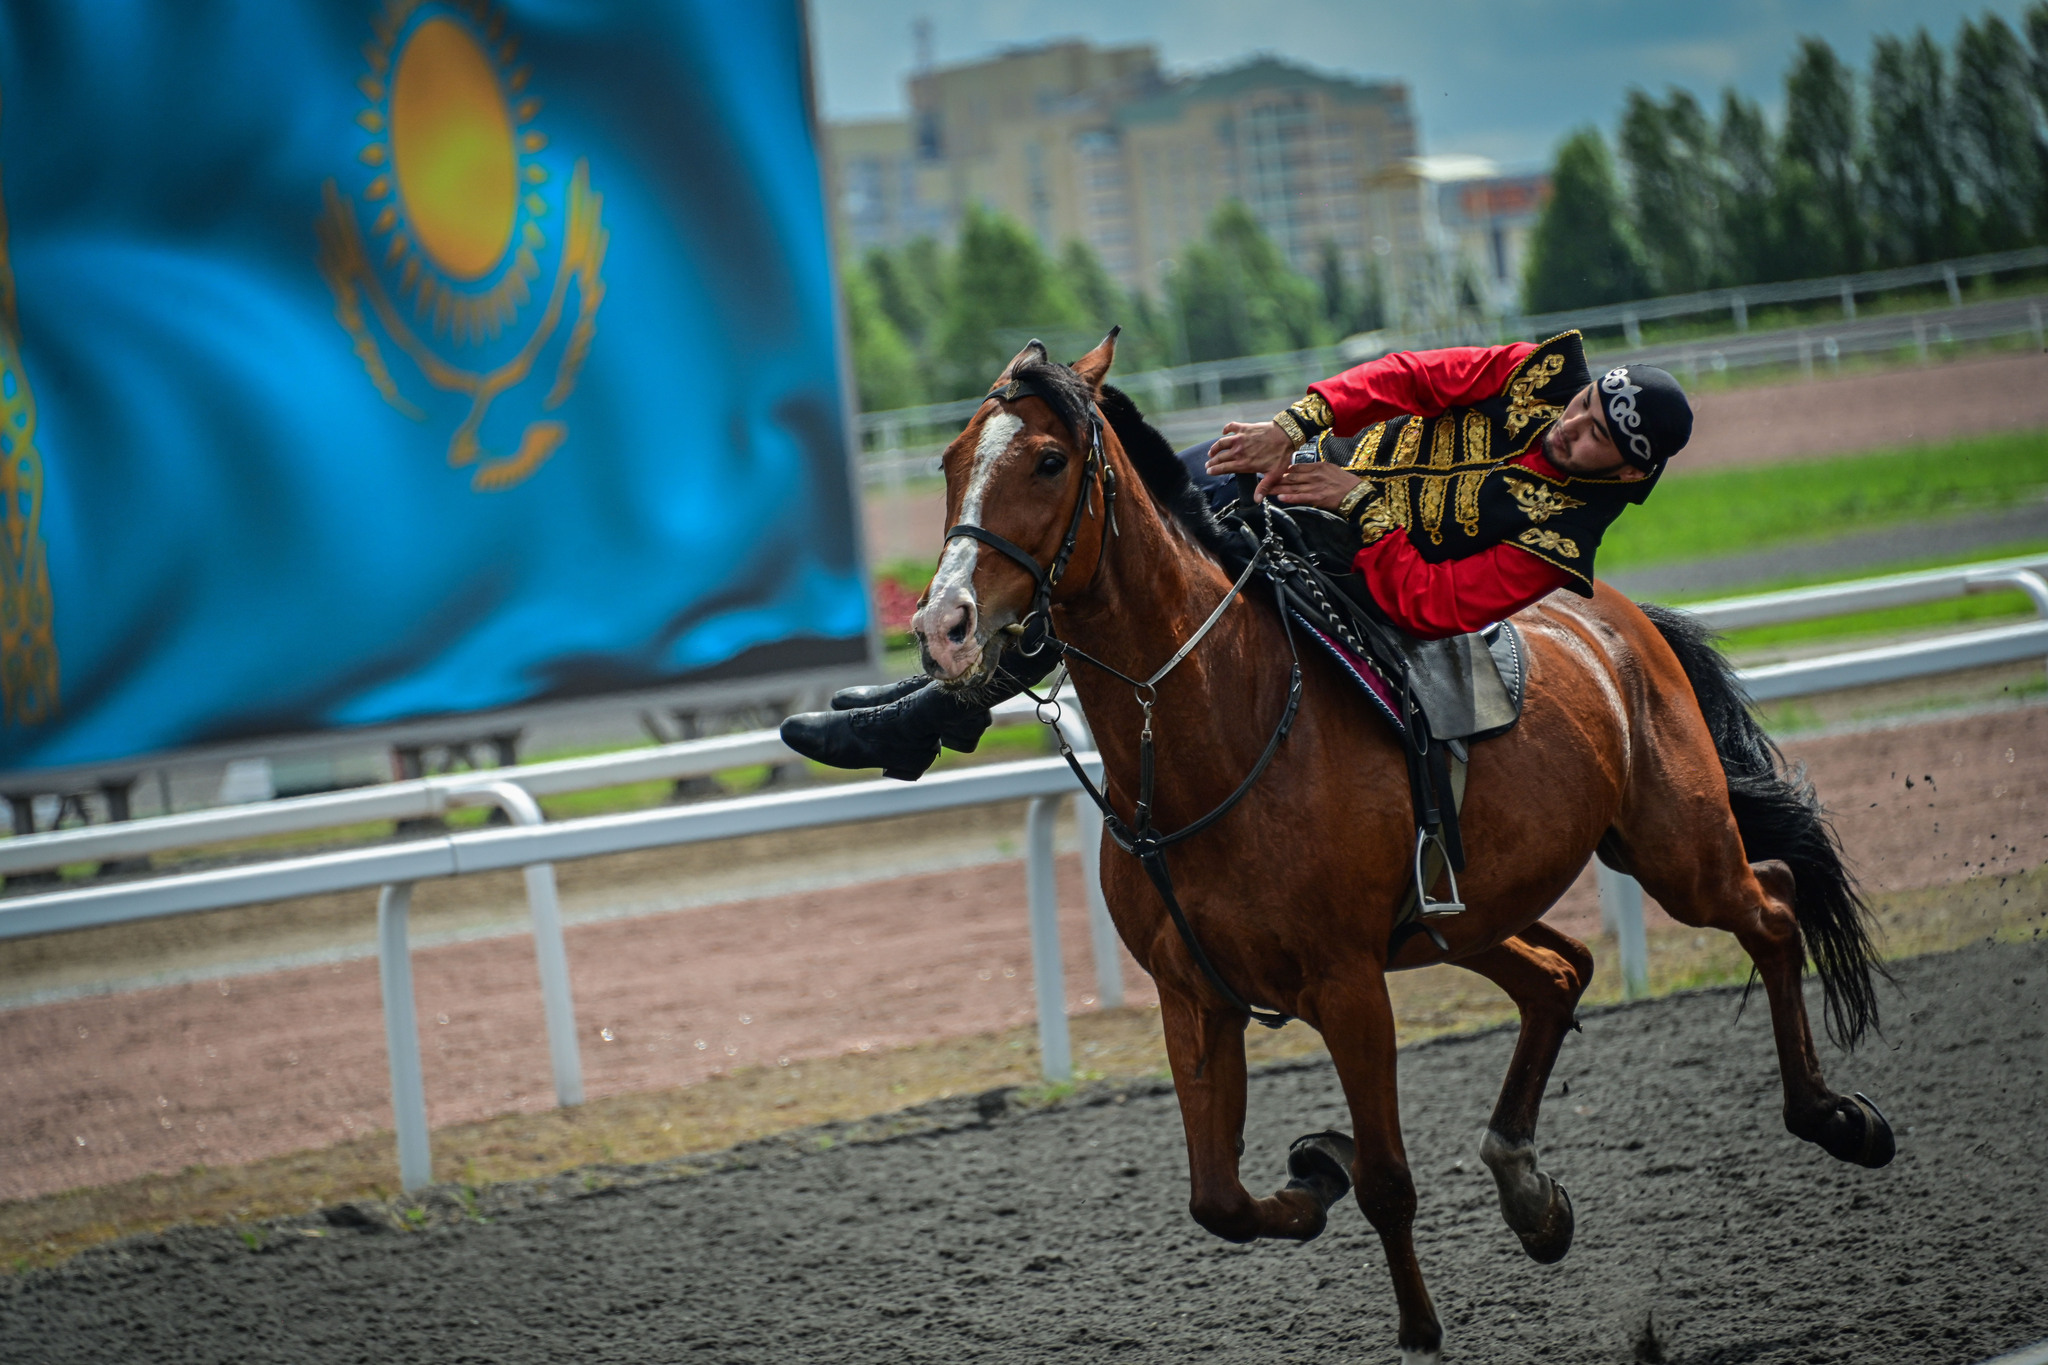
1138, 837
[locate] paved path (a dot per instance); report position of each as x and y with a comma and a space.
1705, 1232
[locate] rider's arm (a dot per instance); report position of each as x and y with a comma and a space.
1431, 601
1420, 382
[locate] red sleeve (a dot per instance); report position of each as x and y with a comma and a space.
1419, 382
1431, 601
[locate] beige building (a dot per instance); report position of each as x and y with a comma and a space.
1099, 144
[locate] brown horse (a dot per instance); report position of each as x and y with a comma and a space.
1630, 743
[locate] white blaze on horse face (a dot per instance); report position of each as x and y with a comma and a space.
952, 590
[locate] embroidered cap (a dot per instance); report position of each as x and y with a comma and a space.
1646, 413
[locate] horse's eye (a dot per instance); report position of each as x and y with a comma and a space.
1052, 464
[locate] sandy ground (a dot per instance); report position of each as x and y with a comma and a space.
102, 1088
975, 1231
1750, 425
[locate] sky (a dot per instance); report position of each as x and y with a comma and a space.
1504, 79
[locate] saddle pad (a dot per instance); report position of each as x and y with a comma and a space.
1470, 686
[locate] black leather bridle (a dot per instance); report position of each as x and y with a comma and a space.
1138, 837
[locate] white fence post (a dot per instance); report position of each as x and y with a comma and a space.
550, 952
1048, 971
402, 1037
1621, 908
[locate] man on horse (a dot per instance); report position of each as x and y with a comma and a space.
1478, 479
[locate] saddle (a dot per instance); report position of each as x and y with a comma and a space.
1439, 696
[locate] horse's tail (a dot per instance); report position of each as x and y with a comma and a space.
1780, 816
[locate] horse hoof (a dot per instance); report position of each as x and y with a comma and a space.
1859, 1132
1320, 1164
1551, 1239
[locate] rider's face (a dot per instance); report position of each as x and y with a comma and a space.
1581, 444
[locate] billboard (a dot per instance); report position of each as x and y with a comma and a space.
370, 360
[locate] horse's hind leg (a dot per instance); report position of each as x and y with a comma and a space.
1544, 972
1702, 881
1206, 1049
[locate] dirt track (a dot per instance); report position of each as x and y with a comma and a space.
1062, 1234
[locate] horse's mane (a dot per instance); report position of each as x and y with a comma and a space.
1151, 453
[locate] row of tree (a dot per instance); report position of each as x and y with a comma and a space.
929, 325
1937, 154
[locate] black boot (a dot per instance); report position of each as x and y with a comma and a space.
876, 694
902, 737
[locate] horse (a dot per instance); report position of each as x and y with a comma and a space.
1635, 742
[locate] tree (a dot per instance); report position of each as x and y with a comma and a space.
1582, 253
1238, 296
1339, 306
1997, 168
1669, 152
908, 286
1003, 291
1747, 161
885, 371
1101, 302
1819, 199
2037, 73
1909, 173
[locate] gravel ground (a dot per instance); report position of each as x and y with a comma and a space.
988, 1232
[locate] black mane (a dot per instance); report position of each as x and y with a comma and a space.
1151, 453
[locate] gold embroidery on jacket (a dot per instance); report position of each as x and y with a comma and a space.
1539, 539
1443, 453
1409, 444
1368, 446
1377, 520
1523, 406
1539, 502
1478, 449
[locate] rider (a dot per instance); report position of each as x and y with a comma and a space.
1479, 480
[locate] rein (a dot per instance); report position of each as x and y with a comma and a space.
1139, 838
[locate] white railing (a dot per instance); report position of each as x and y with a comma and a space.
534, 846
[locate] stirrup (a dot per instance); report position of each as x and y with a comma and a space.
1425, 906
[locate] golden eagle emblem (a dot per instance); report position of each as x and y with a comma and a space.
462, 217
1540, 503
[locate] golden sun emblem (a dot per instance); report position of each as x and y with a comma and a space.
1539, 502
459, 209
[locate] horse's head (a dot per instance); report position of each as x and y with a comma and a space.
1021, 485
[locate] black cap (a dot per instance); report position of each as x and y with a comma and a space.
1646, 413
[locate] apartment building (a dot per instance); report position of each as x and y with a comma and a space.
1100, 144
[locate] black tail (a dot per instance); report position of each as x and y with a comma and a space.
1780, 816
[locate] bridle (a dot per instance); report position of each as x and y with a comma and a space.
1138, 837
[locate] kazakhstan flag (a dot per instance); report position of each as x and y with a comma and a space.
368, 360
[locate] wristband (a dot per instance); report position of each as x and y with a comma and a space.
1305, 420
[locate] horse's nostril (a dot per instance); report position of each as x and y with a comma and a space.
959, 631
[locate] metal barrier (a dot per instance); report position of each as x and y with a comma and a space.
534, 846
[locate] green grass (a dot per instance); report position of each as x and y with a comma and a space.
1884, 621
1728, 511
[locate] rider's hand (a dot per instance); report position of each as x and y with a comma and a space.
1250, 448
1309, 485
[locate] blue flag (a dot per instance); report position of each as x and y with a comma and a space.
370, 360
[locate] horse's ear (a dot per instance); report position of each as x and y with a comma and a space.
1094, 367
1033, 353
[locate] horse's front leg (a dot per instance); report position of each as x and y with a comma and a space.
1206, 1048
1357, 1023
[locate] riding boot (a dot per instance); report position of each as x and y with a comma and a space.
877, 694
902, 736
